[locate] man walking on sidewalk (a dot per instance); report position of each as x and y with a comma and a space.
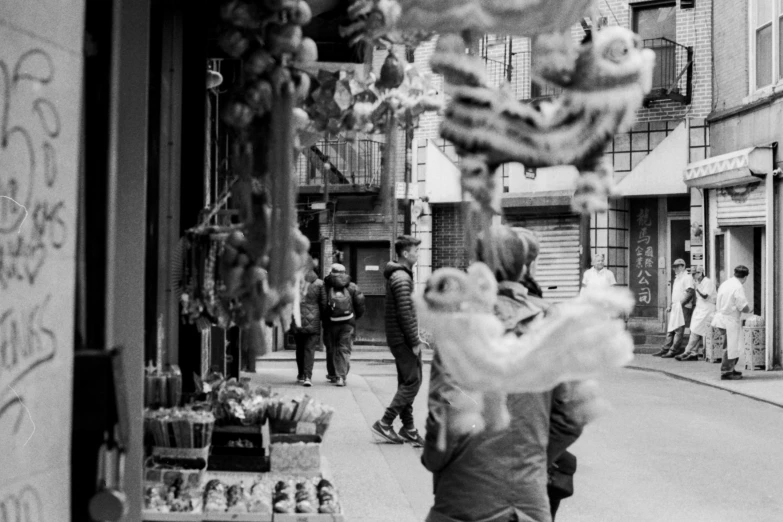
344, 304
679, 312
402, 336
731, 304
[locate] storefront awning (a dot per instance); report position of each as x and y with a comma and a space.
735, 168
660, 172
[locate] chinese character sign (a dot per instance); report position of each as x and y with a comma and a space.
644, 254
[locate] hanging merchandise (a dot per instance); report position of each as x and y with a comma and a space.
604, 83
517, 17
580, 339
263, 266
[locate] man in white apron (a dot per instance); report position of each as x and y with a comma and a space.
731, 304
702, 315
682, 293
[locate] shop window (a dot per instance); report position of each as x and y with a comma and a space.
766, 58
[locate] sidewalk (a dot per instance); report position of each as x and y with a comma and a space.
376, 482
760, 385
360, 353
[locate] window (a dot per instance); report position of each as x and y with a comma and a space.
656, 24
766, 19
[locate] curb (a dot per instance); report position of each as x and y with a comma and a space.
703, 383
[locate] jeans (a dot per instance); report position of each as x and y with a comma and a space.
726, 365
329, 352
695, 344
409, 375
674, 340
305, 353
341, 340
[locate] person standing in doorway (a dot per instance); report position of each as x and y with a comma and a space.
731, 304
598, 274
308, 335
682, 294
402, 336
702, 315
343, 304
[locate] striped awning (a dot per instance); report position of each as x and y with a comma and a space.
735, 168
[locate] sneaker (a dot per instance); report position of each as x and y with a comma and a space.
331, 378
300, 379
386, 433
306, 383
691, 357
661, 353
339, 382
412, 436
730, 377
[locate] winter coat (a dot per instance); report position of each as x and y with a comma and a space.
402, 327
310, 307
338, 282
490, 476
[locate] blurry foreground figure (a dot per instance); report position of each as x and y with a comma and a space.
489, 465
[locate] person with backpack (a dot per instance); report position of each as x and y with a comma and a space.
343, 304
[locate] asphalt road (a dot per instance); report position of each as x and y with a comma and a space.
670, 451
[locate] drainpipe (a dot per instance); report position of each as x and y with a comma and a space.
769, 276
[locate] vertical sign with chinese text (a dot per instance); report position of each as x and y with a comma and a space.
644, 254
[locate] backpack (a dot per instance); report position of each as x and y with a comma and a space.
340, 304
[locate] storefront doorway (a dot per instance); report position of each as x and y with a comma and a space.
365, 261
679, 240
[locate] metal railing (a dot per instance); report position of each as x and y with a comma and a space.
346, 162
673, 71
514, 71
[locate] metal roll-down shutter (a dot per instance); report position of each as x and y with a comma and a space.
558, 259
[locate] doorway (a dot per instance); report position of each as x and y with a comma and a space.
365, 261
679, 241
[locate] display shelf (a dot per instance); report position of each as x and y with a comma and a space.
154, 516
238, 517
309, 517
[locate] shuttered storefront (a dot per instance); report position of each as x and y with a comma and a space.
558, 259
742, 205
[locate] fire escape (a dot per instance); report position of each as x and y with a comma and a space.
673, 72
509, 62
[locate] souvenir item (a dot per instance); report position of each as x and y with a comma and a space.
604, 84
579, 339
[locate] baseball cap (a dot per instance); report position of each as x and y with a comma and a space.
678, 262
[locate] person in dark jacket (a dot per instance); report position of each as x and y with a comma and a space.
342, 304
402, 336
499, 476
308, 335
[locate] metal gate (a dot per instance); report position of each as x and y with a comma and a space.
557, 267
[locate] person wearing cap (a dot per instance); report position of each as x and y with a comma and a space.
731, 304
598, 275
682, 294
702, 315
343, 304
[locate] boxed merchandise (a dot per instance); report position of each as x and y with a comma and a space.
238, 448
297, 458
